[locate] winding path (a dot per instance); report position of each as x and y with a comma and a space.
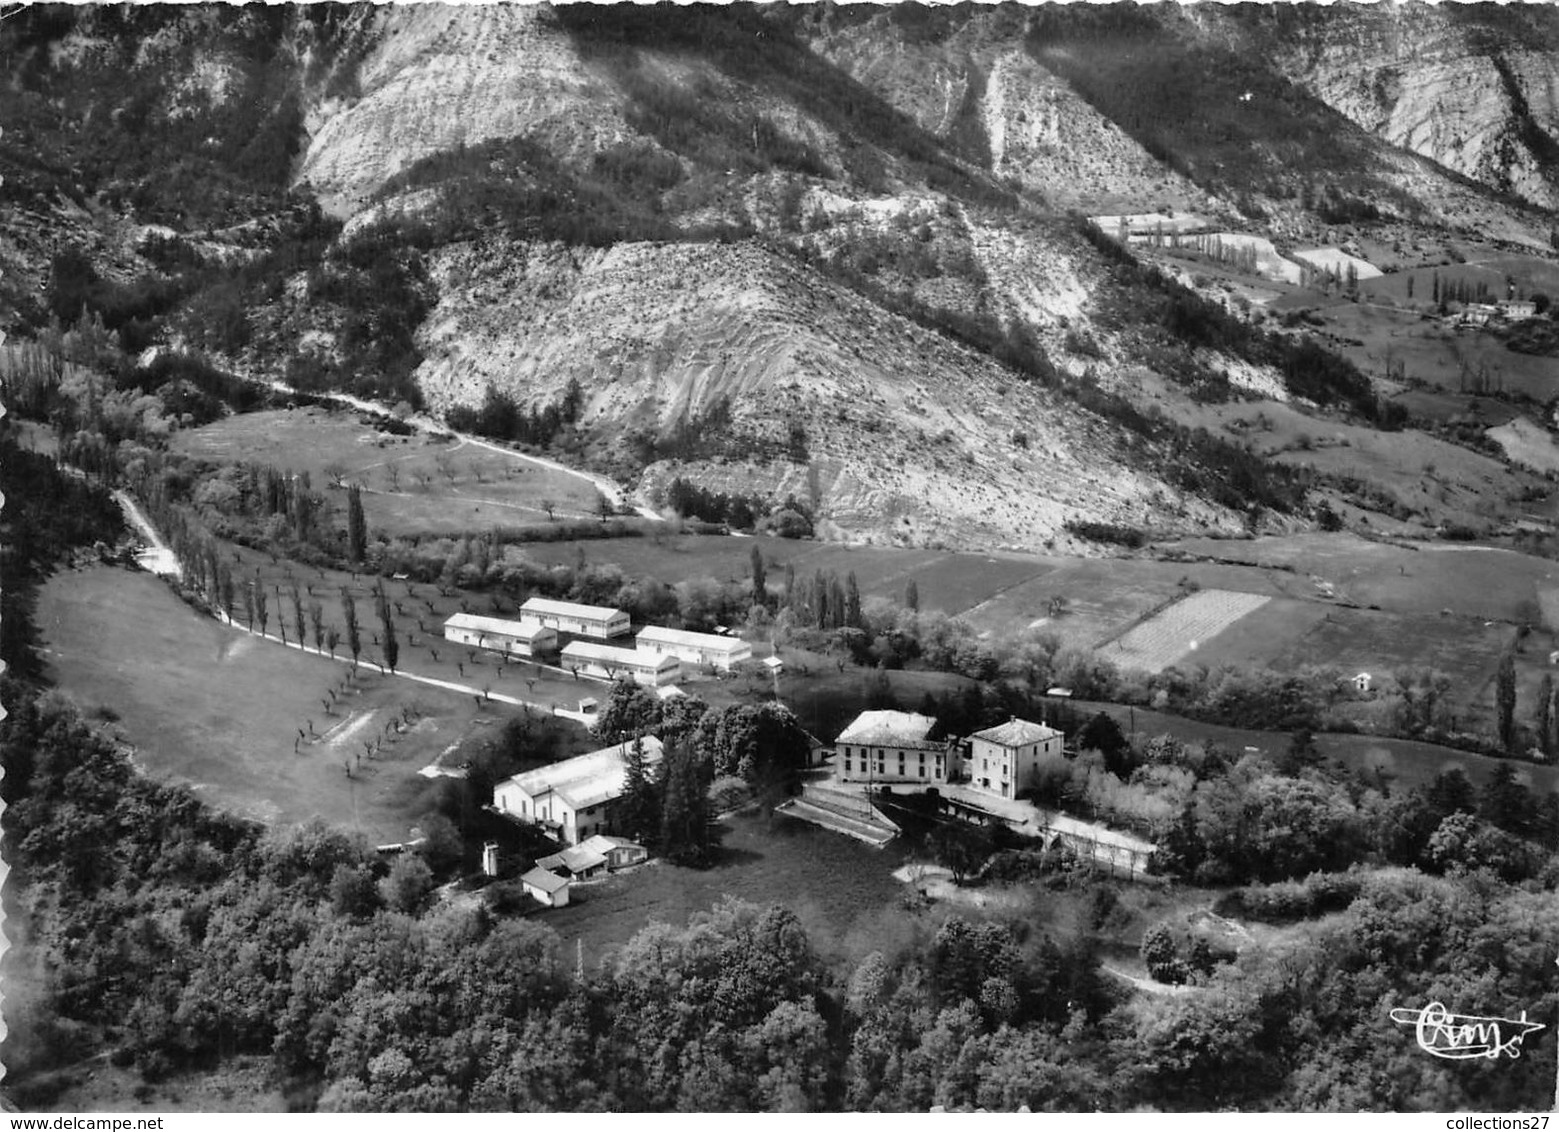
423, 423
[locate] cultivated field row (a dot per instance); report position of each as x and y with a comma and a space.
1170, 634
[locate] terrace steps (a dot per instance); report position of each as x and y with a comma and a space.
871, 833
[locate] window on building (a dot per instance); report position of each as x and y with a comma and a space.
847, 766
922, 770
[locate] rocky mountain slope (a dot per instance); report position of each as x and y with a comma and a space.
845, 225
914, 438
1472, 89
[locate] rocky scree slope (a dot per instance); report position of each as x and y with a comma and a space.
1472, 87
914, 438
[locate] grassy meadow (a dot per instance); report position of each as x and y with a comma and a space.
411, 484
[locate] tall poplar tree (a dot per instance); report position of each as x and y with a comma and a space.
356, 525
760, 583
354, 640
1505, 700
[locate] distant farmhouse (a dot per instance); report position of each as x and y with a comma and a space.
514, 638
695, 648
580, 620
572, 800
891, 746
1002, 758
610, 662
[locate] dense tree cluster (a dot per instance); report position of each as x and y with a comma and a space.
502, 418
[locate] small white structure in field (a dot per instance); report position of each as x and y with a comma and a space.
490, 859
576, 798
774, 664
546, 887
580, 620
1362, 683
695, 648
512, 638
608, 662
1002, 758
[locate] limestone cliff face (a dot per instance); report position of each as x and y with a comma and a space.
978, 88
914, 438
438, 76
1475, 96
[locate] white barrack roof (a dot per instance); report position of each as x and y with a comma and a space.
612, 654
524, 630
689, 639
545, 605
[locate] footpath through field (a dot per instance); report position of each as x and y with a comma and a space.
605, 486
431, 681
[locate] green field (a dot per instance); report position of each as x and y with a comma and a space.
952, 583
215, 708
411, 484
838, 887
1469, 581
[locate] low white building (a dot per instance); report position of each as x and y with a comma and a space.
573, 800
546, 887
891, 746
580, 620
609, 662
512, 638
695, 648
1002, 758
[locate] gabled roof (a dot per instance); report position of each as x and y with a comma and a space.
1016, 733
552, 608
613, 654
575, 859
548, 882
586, 780
604, 843
890, 729
521, 630
688, 639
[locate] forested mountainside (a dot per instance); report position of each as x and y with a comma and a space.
769, 243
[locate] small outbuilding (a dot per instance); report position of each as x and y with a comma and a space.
546, 887
577, 861
618, 851
1362, 683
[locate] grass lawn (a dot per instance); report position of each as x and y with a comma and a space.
215, 708
1105, 595
412, 484
836, 885
1433, 352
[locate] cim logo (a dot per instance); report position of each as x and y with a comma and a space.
1461, 1037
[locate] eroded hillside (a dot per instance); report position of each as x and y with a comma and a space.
913, 437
